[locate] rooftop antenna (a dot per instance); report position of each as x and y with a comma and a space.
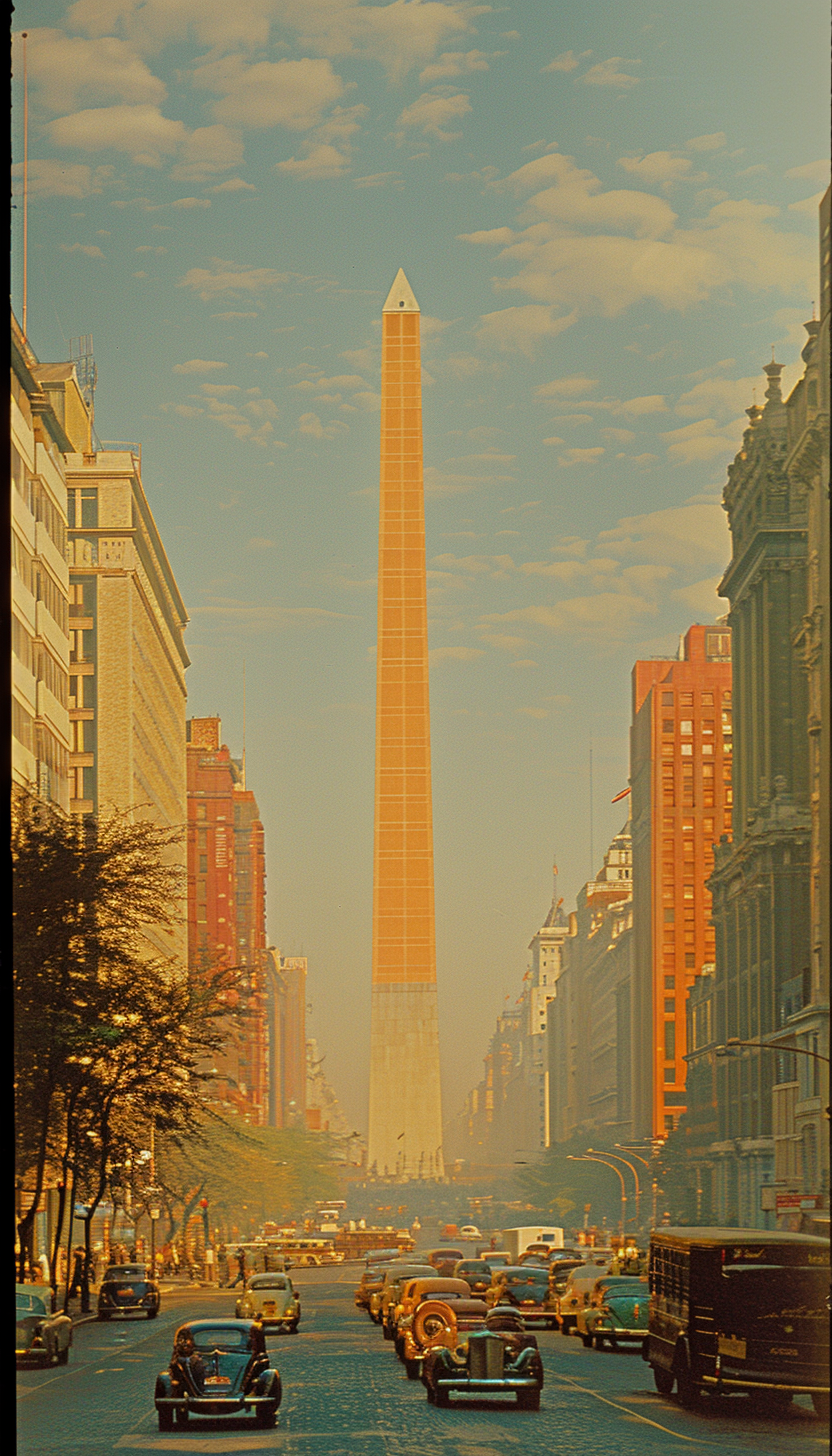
591, 844
244, 722
81, 355
25, 184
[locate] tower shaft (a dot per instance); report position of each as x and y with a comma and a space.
405, 1130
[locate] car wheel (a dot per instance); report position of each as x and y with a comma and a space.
266, 1419
103, 1314
598, 1342
412, 1368
528, 1399
165, 1420
181, 1418
663, 1379
293, 1329
586, 1341
686, 1389
442, 1396
820, 1400
63, 1356
152, 1313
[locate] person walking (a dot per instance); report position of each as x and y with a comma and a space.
240, 1276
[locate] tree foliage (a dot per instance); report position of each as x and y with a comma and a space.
109, 1036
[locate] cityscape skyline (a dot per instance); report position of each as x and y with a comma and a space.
581, 436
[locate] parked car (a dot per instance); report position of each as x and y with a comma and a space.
559, 1272
40, 1335
273, 1300
498, 1257
218, 1368
469, 1232
500, 1358
383, 1301
371, 1279
524, 1287
618, 1310
128, 1289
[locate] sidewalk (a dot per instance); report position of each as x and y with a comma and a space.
166, 1286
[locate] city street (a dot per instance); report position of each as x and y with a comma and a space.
345, 1392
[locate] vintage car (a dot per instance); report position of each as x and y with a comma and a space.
501, 1359
371, 1279
525, 1288
498, 1258
271, 1299
470, 1233
40, 1336
383, 1301
438, 1321
617, 1310
444, 1259
574, 1296
414, 1292
218, 1368
475, 1272
128, 1289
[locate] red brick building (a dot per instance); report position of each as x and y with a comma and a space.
680, 775
227, 904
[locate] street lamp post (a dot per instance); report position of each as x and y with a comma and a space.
635, 1176
573, 1158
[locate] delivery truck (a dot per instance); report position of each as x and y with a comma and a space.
517, 1240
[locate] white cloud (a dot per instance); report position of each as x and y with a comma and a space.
725, 398
660, 168
567, 387
320, 163
693, 535
291, 94
88, 249
566, 62
702, 441
711, 142
148, 138
224, 277
590, 456
311, 424
64, 69
454, 63
817, 172
48, 178
431, 113
456, 654
199, 366
521, 328
608, 73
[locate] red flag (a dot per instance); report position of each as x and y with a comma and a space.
622, 795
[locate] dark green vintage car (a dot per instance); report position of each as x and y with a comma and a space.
617, 1311
218, 1368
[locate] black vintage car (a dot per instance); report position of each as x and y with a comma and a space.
128, 1289
218, 1368
499, 1360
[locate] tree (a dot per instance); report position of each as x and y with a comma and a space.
107, 1034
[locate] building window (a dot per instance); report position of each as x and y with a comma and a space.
667, 700
670, 1041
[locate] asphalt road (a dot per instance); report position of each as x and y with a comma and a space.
345, 1392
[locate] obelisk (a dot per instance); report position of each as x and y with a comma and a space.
405, 1125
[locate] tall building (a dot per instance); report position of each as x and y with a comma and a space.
769, 987
46, 425
405, 1118
588, 1032
540, 990
680, 777
227, 906
285, 1014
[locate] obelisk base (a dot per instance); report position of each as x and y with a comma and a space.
405, 1131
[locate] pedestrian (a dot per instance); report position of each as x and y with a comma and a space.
77, 1283
240, 1276
222, 1263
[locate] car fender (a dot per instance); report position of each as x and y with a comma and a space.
269, 1386
164, 1385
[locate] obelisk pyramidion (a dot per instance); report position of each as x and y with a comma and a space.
405, 1125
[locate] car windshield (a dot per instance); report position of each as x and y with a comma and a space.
222, 1337
126, 1271
773, 1293
268, 1281
30, 1304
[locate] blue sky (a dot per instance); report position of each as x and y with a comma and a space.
608, 214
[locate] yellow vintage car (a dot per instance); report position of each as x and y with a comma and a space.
439, 1321
273, 1300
